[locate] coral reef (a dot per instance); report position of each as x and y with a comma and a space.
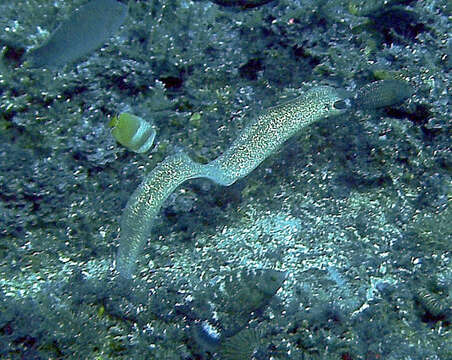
350, 219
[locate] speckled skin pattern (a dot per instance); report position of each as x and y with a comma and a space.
257, 141
270, 130
383, 93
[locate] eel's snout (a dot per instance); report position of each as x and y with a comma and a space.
343, 104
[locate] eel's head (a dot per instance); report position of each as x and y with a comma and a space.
327, 101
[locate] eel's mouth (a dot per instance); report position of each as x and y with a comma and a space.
342, 104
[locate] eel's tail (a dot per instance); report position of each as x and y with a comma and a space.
145, 203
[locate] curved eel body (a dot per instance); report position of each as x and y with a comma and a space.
258, 140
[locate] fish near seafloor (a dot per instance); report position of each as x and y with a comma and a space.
255, 143
383, 93
261, 138
133, 132
80, 34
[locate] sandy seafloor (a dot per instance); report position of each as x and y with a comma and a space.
338, 246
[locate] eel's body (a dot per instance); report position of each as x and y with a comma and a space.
257, 141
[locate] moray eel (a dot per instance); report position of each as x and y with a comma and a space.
258, 140
80, 34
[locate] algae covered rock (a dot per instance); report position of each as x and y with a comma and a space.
244, 4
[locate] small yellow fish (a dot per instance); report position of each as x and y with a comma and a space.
132, 132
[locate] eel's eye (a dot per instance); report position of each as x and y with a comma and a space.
340, 105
